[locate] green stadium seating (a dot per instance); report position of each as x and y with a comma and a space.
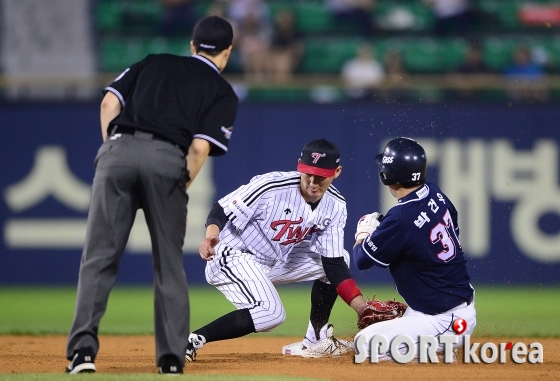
424, 55
543, 47
127, 15
453, 52
276, 6
497, 52
327, 55
313, 17
431, 55
116, 54
126, 35
423, 16
108, 15
506, 12
552, 47
382, 46
202, 6
113, 56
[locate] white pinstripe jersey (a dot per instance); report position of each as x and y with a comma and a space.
268, 216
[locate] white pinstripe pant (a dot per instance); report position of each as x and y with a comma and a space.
249, 284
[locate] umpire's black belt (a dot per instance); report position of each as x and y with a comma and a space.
132, 131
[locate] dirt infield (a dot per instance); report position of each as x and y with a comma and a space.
261, 355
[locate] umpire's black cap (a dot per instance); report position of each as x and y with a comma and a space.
212, 34
319, 157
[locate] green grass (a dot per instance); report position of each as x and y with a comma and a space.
501, 311
518, 311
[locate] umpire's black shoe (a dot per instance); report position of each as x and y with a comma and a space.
82, 362
170, 365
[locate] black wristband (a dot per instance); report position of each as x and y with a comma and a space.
217, 216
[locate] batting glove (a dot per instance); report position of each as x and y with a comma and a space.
367, 225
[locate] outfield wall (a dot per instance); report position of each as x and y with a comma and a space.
498, 163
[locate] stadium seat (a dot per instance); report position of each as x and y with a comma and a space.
127, 16
504, 12
508, 14
431, 55
276, 6
126, 35
313, 17
116, 54
327, 55
420, 55
202, 6
453, 52
497, 52
108, 15
112, 55
552, 47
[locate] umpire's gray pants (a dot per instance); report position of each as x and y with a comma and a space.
135, 171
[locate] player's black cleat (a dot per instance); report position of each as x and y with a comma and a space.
170, 365
82, 362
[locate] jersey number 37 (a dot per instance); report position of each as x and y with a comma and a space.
445, 233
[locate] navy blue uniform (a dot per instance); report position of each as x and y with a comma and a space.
418, 240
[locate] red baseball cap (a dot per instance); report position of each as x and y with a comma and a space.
319, 157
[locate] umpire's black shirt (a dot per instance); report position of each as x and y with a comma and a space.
177, 98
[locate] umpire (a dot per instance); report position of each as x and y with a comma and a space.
160, 120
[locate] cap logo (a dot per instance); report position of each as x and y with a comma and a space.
316, 156
207, 46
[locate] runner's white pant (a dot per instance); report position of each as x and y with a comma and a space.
249, 284
414, 324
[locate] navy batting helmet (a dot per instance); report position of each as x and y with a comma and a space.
403, 161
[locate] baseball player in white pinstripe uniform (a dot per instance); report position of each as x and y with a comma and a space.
281, 227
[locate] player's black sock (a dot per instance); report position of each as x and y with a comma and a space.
323, 297
230, 326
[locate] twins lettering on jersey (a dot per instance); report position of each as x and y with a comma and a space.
290, 232
268, 216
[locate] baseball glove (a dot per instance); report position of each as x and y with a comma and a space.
377, 311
